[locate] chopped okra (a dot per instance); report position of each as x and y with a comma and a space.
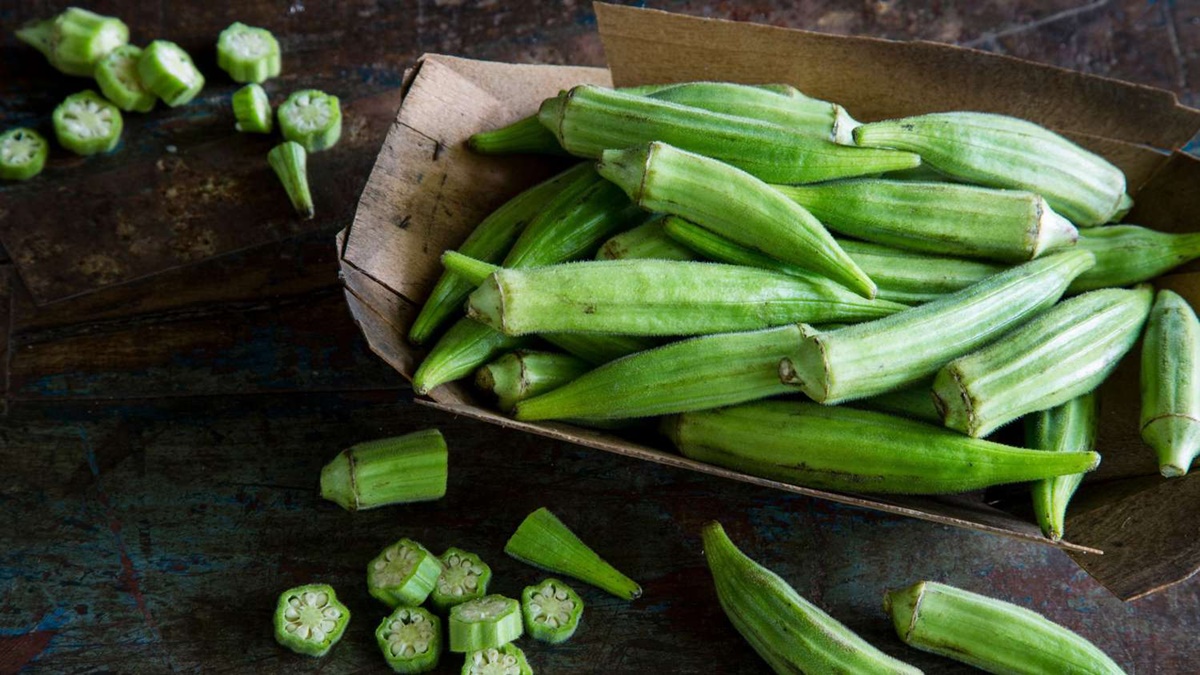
75, 40
552, 611
311, 118
22, 154
252, 110
403, 574
290, 163
247, 53
410, 639
398, 470
542, 540
488, 622
168, 71
464, 577
310, 620
86, 123
506, 660
117, 75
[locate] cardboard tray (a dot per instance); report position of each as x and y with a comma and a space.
427, 191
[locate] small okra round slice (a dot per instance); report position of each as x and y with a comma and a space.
506, 660
252, 110
311, 118
410, 639
485, 623
464, 577
117, 75
552, 611
403, 574
247, 53
22, 154
310, 619
86, 123
168, 71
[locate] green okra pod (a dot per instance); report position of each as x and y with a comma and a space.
523, 374
790, 633
526, 135
311, 118
399, 470
252, 110
915, 403
906, 348
464, 347
646, 241
1123, 208
990, 634
599, 349
942, 218
544, 541
1170, 384
731, 203
1130, 254
167, 70
86, 124
1062, 353
840, 448
1070, 427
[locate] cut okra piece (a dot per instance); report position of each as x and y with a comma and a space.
485, 623
403, 574
247, 53
252, 110
410, 639
117, 75
310, 620
22, 154
507, 660
464, 577
86, 123
552, 611
400, 470
290, 162
168, 71
75, 40
542, 540
311, 118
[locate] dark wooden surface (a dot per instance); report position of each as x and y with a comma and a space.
162, 437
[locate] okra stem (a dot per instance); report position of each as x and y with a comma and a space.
289, 161
75, 40
542, 540
400, 470
472, 271
526, 135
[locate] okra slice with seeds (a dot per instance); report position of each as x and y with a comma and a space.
117, 76
247, 53
523, 374
552, 611
484, 623
506, 660
464, 577
542, 540
403, 574
23, 153
168, 71
252, 110
310, 620
1131, 254
75, 40
400, 470
410, 639
290, 163
86, 124
311, 118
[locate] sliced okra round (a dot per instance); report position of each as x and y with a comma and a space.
311, 118
485, 623
86, 123
403, 574
22, 154
551, 610
464, 577
310, 619
247, 53
117, 75
506, 660
168, 71
410, 639
252, 110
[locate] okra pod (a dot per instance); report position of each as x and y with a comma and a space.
252, 110
464, 577
903, 349
790, 633
484, 623
1006, 152
942, 218
399, 470
248, 54
552, 611
524, 374
915, 403
168, 71
310, 620
732, 203
542, 540
75, 40
289, 161
506, 660
990, 634
410, 639
599, 349
86, 124
1065, 428
646, 241
1130, 254
526, 135
840, 448
1064, 352
311, 118
23, 154
403, 574
463, 348
117, 76
1170, 383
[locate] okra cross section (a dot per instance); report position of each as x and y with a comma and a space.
87, 124
465, 576
542, 540
23, 153
311, 118
410, 639
168, 71
506, 660
310, 620
252, 110
552, 611
247, 53
117, 76
403, 574
485, 623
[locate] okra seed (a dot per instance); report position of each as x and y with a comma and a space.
552, 606
396, 566
492, 662
460, 576
88, 119
310, 617
409, 634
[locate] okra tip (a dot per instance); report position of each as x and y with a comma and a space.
1176, 440
336, 483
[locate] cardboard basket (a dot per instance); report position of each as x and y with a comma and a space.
1133, 531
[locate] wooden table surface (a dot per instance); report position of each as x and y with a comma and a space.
162, 437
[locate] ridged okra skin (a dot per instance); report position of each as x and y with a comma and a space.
943, 218
646, 241
790, 633
1006, 152
463, 348
903, 349
990, 634
523, 374
75, 40
544, 541
732, 203
1070, 427
661, 297
1130, 254
398, 470
588, 120
1170, 383
840, 448
695, 374
1065, 352
915, 403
